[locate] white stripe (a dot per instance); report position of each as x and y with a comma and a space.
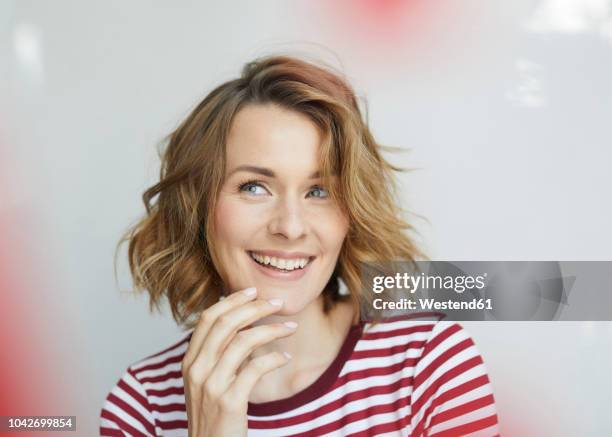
476, 393
469, 375
469, 417
374, 362
453, 361
182, 432
152, 373
171, 415
124, 396
112, 408
442, 347
105, 423
167, 400
371, 421
134, 383
162, 385
338, 393
386, 343
354, 406
401, 432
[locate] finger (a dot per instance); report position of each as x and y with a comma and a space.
240, 389
225, 328
208, 318
242, 345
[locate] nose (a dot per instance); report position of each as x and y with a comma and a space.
288, 220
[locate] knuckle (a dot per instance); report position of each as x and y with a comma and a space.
224, 321
210, 390
259, 364
227, 403
205, 317
195, 376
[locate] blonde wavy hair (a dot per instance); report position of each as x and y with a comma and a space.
170, 250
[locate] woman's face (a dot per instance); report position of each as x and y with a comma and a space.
276, 228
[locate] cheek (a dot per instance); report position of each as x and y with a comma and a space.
226, 221
333, 229
236, 224
231, 234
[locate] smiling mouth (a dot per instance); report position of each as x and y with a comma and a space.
280, 264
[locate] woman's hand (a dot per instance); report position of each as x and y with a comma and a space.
217, 379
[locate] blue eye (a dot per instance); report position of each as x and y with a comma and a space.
319, 192
253, 188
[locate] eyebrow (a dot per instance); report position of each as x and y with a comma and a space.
265, 171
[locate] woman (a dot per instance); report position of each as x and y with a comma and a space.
272, 192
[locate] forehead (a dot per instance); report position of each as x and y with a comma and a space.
283, 140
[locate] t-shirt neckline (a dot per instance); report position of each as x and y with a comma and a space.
318, 387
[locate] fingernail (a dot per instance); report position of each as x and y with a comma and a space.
276, 302
250, 291
291, 324
287, 354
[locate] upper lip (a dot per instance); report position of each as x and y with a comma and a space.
282, 254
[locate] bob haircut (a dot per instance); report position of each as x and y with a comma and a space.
170, 250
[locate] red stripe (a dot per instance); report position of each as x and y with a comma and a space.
133, 393
174, 374
131, 411
154, 366
334, 405
123, 425
354, 417
111, 432
444, 378
454, 392
382, 428
373, 371
397, 332
146, 403
167, 391
426, 373
447, 395
169, 408
468, 427
396, 425
462, 409
173, 424
388, 351
434, 342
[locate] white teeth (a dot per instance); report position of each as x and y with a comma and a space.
279, 263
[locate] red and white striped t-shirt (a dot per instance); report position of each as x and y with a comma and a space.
401, 377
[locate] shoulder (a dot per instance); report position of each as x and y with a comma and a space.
149, 391
450, 387
451, 391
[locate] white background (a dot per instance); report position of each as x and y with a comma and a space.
505, 106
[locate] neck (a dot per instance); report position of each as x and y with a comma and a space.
314, 345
